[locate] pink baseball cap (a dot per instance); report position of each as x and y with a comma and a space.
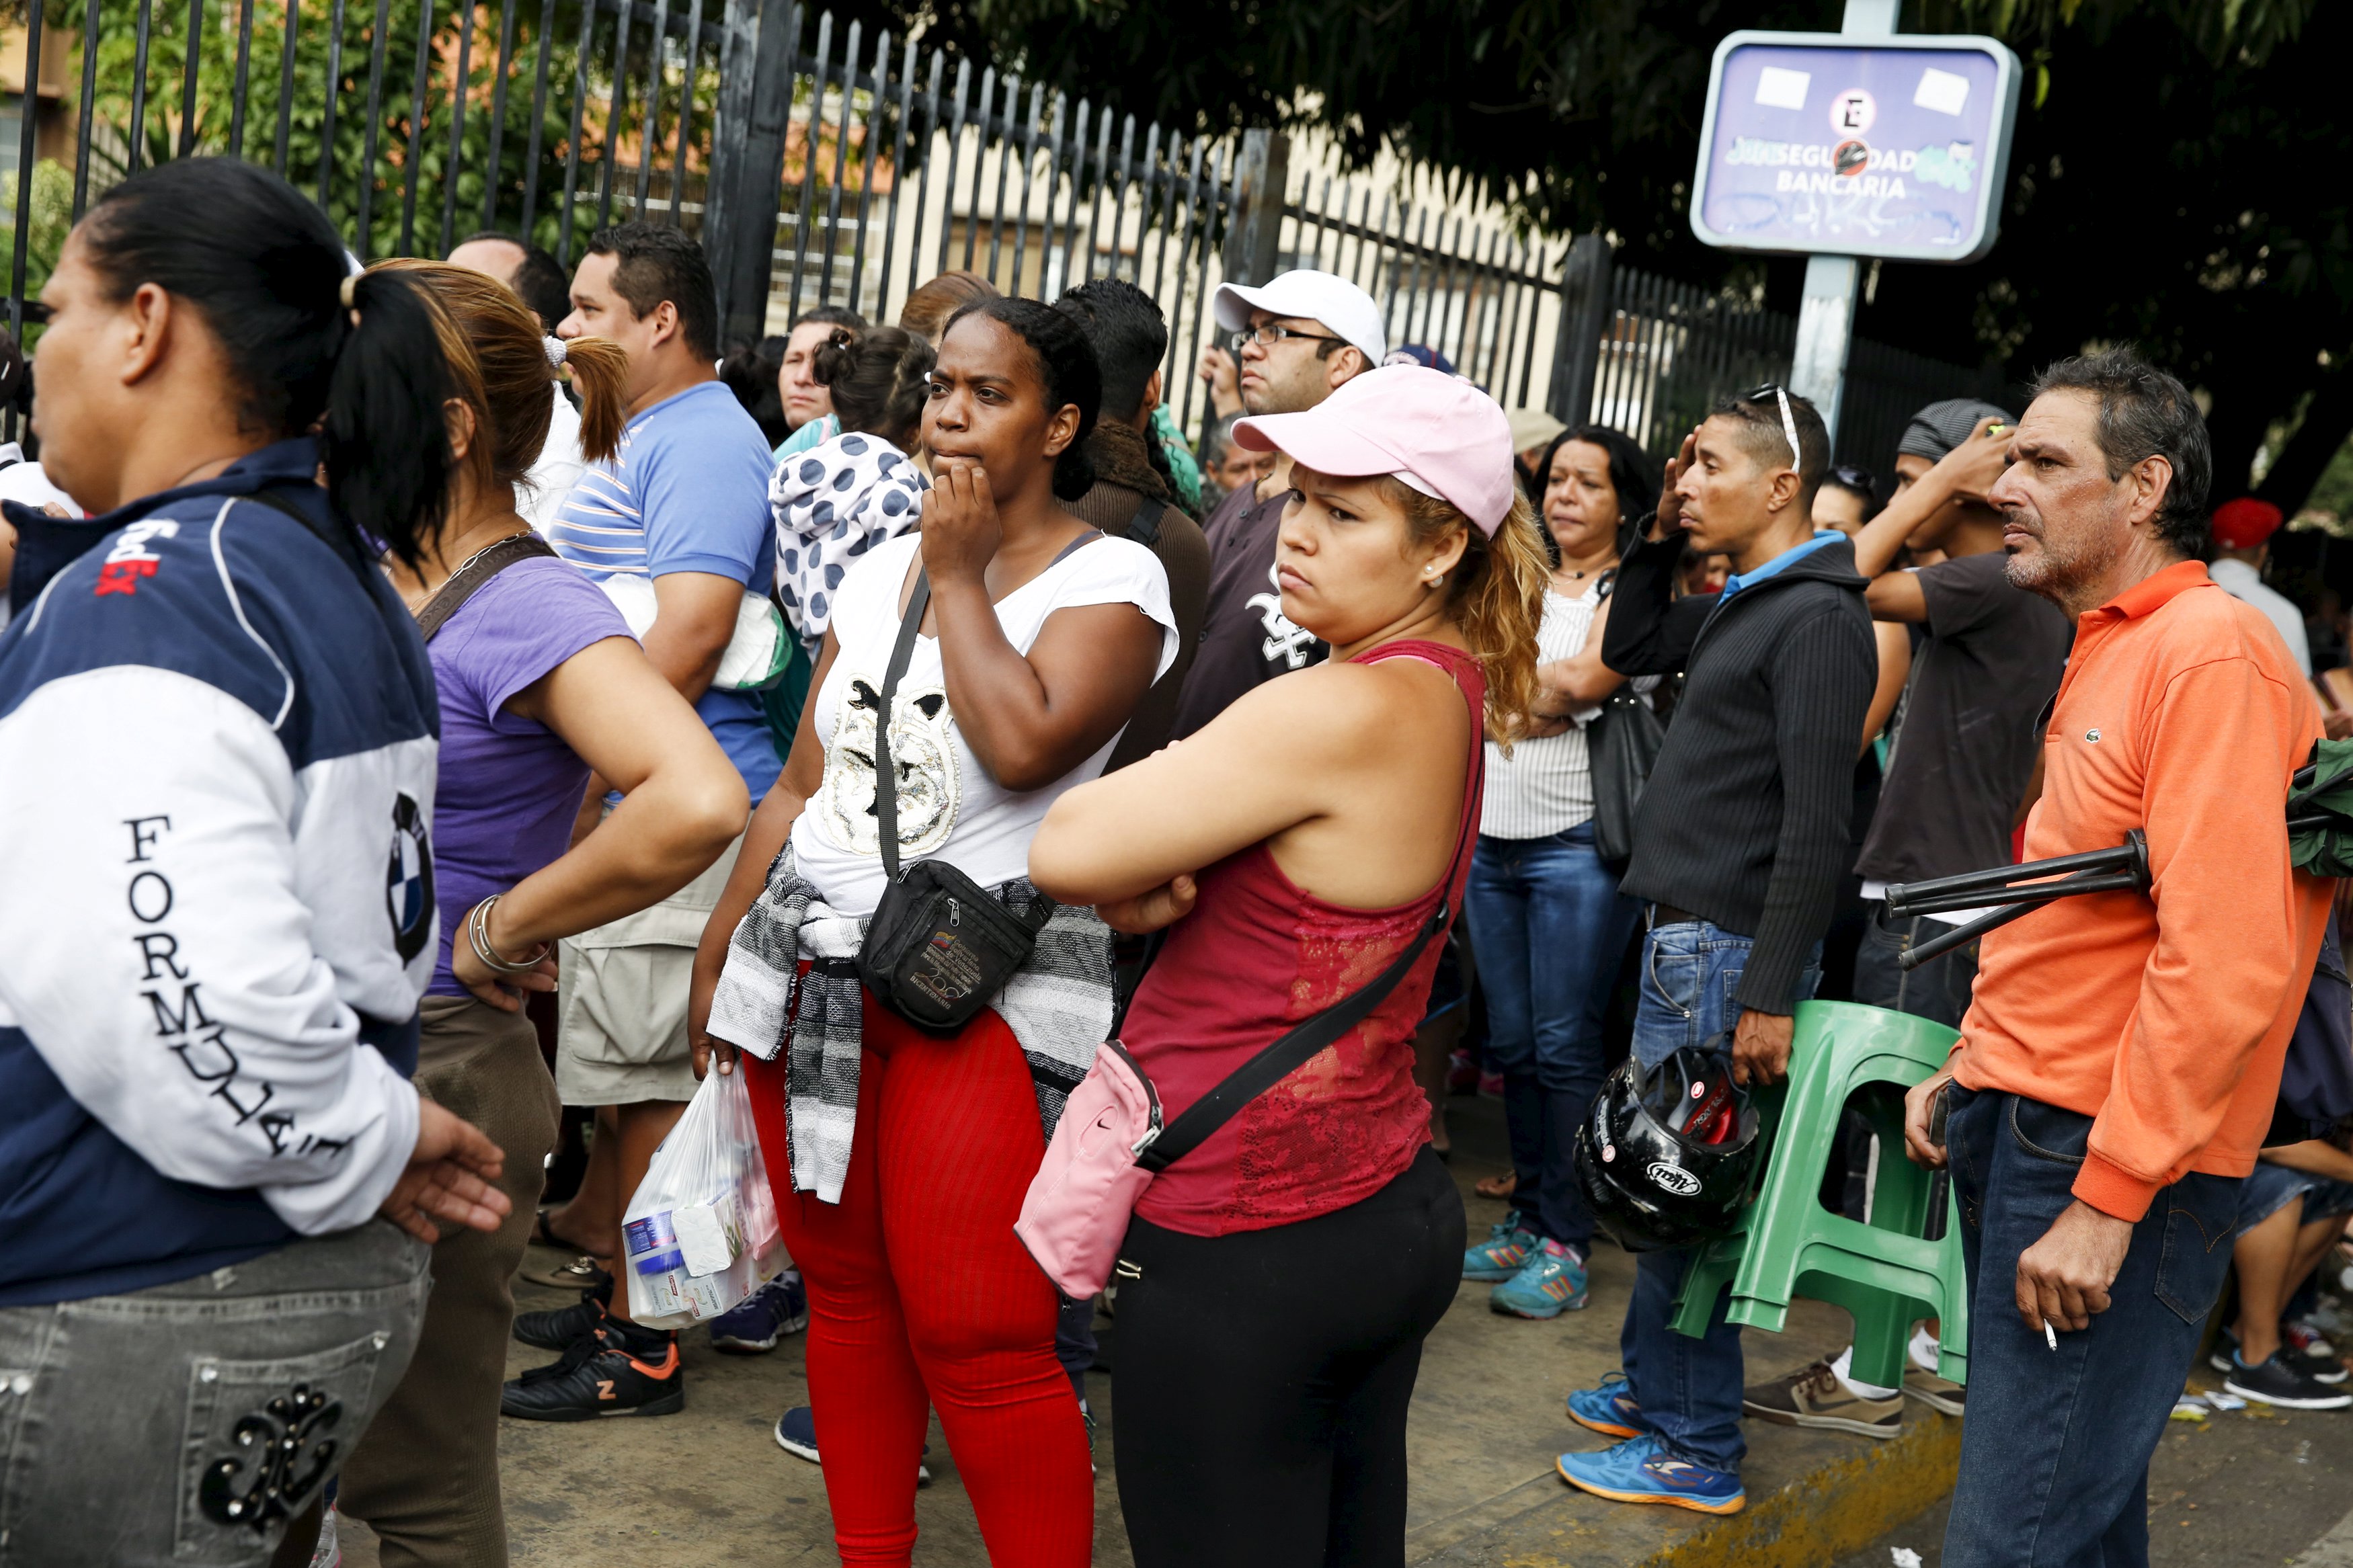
1442, 436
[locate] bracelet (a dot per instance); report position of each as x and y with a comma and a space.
478, 931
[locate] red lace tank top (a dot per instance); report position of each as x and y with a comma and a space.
1258, 954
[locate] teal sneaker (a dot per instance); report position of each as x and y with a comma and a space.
1509, 1242
1608, 1409
1639, 1470
1552, 1282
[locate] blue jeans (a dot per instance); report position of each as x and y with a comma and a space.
2054, 1455
1548, 926
1938, 990
1688, 1389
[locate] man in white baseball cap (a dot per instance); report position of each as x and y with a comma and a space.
1298, 338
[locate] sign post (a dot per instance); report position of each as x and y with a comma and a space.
1845, 145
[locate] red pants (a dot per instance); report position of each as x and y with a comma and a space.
921, 1296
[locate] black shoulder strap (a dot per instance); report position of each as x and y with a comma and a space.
886, 777
1144, 526
1304, 1042
470, 578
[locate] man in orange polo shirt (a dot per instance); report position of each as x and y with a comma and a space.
2119, 1061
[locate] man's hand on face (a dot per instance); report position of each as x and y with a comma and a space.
1669, 520
1975, 465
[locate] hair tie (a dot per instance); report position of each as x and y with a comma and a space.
555, 351
351, 281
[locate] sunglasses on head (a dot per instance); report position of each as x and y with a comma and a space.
1852, 478
1779, 393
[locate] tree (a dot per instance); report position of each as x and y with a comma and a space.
2177, 178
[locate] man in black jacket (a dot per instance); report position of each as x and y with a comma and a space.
1740, 842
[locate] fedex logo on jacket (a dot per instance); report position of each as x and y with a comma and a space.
216, 772
130, 560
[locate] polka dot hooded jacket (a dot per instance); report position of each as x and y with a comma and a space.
831, 504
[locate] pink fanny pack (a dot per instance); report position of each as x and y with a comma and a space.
1110, 1141
1076, 1212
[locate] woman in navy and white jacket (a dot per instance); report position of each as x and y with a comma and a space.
216, 766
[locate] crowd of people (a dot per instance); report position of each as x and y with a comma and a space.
447, 702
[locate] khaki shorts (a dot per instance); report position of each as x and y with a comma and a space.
620, 999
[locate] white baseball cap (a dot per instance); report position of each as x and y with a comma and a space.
1306, 295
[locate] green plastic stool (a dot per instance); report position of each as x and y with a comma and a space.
1789, 1245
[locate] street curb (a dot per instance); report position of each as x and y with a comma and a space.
1846, 1499
1834, 1509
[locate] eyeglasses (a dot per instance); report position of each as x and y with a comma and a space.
1788, 425
1272, 334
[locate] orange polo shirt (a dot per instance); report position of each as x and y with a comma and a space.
2164, 1017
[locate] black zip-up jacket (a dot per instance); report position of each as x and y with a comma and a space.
1747, 819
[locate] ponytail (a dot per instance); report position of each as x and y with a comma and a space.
386, 437
879, 380
599, 369
268, 274
501, 364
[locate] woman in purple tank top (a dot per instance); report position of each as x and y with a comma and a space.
1291, 849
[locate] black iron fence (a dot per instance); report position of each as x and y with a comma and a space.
823, 163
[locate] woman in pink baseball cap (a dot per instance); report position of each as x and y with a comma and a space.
1305, 848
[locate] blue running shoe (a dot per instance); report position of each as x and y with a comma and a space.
1509, 1242
755, 1323
1552, 1282
1608, 1409
796, 1435
1639, 1470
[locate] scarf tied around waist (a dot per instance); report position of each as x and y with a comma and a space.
1059, 1005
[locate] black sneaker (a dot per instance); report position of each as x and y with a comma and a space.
2277, 1383
2317, 1367
560, 1328
608, 1373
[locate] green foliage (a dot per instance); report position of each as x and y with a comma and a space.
51, 216
368, 174
2177, 179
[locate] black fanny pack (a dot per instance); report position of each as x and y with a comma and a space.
940, 946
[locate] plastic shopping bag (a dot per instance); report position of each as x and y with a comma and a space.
702, 1233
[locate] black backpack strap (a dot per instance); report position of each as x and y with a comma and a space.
1144, 526
470, 578
1304, 1042
886, 777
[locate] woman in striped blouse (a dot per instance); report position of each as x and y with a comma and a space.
1547, 925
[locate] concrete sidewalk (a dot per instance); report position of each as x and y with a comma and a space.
710, 1486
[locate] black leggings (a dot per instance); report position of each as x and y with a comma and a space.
1259, 1400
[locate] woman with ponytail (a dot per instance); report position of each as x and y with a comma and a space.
1039, 636
217, 785
1277, 1280
539, 680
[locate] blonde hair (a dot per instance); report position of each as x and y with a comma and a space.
1495, 596
498, 361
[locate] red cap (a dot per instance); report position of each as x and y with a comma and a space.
2244, 523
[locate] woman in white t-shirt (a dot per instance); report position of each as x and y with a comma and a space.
1547, 923
900, 1157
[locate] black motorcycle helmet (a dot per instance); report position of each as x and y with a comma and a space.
1668, 1158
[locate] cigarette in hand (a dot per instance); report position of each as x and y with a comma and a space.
2050, 1334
